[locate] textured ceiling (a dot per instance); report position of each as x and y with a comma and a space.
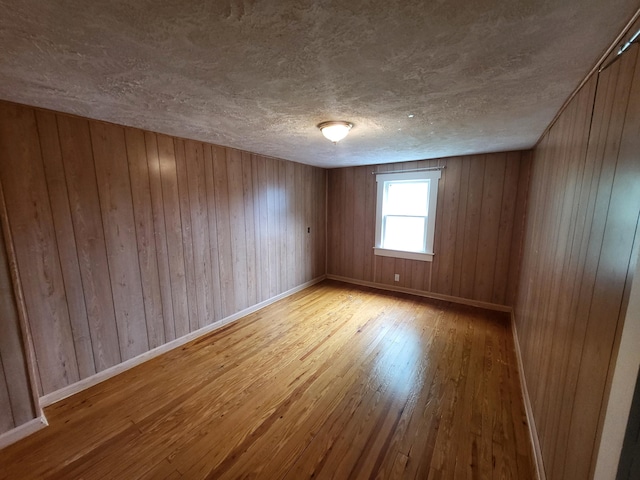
477, 76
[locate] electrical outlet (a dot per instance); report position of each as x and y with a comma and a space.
396, 277
308, 229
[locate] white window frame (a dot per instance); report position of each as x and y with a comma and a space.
432, 176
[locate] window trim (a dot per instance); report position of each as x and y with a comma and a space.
433, 176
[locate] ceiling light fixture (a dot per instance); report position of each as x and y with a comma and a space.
335, 130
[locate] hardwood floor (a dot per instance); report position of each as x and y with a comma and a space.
336, 381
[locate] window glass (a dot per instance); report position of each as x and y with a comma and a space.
407, 198
404, 233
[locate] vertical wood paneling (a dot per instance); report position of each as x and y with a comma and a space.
308, 191
187, 234
359, 245
31, 222
578, 260
173, 234
237, 228
320, 214
298, 221
615, 264
16, 405
195, 163
292, 212
112, 174
505, 232
575, 123
491, 208
144, 223
284, 211
336, 213
519, 221
471, 231
6, 414
158, 225
369, 224
461, 216
249, 229
272, 224
216, 294
348, 233
478, 222
77, 156
261, 199
127, 239
447, 228
67, 248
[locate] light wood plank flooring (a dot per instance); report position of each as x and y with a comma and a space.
334, 382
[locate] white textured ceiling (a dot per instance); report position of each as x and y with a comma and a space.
477, 76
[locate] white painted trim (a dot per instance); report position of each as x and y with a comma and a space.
421, 293
85, 383
433, 176
22, 431
386, 252
533, 431
625, 375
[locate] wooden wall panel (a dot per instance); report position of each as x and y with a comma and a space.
249, 229
283, 212
89, 241
186, 231
160, 241
224, 230
272, 226
23, 179
237, 229
216, 295
144, 223
67, 248
260, 199
173, 234
6, 415
289, 187
578, 259
478, 227
127, 239
16, 399
116, 205
471, 231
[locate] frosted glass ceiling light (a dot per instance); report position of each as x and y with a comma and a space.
335, 130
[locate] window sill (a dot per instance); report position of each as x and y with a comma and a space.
421, 256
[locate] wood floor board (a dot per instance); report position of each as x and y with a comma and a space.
336, 381
321, 410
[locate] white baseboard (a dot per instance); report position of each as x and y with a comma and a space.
22, 431
533, 431
421, 293
85, 383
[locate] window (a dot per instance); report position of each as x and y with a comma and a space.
406, 214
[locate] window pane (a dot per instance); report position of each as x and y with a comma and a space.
404, 233
407, 198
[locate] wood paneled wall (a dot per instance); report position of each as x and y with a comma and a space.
127, 239
578, 260
16, 405
479, 221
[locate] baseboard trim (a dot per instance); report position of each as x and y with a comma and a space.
421, 293
533, 431
99, 377
22, 431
